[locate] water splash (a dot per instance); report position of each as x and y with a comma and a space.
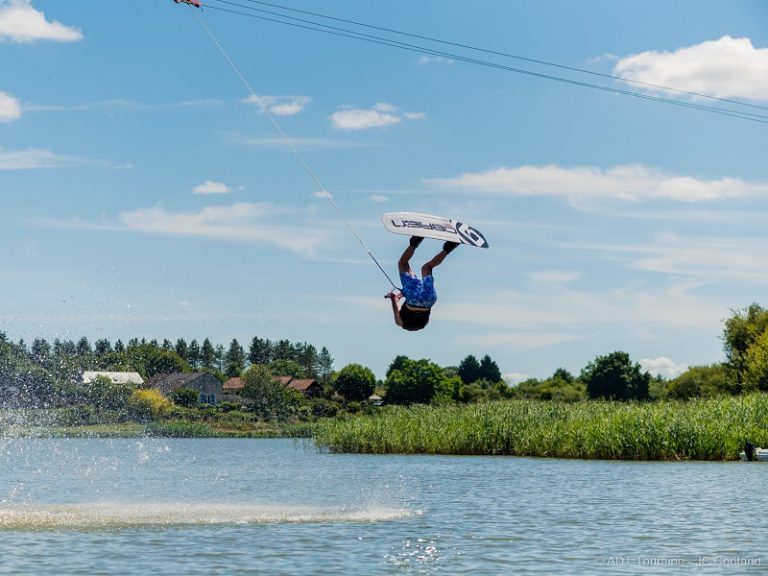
106, 515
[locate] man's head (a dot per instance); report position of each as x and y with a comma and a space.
413, 319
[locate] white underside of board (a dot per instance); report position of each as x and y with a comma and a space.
430, 226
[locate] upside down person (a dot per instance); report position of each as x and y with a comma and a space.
419, 293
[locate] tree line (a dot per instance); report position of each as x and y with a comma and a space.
46, 374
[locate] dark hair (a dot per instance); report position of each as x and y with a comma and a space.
413, 319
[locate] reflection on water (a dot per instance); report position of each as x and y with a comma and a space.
214, 506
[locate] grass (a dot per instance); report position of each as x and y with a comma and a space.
711, 429
162, 429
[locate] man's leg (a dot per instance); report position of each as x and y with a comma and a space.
403, 265
448, 247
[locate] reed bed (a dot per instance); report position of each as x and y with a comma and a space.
710, 429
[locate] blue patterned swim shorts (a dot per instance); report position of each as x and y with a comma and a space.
418, 293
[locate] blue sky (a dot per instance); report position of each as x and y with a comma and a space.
145, 191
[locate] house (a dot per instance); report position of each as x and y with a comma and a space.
116, 377
308, 386
233, 385
208, 387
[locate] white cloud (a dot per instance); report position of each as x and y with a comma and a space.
381, 115
241, 222
380, 198
280, 143
553, 277
33, 158
20, 22
211, 187
629, 182
280, 105
424, 60
10, 109
662, 366
726, 68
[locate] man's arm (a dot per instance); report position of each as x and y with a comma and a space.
393, 298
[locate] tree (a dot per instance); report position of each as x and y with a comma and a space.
103, 394
489, 370
269, 398
182, 349
283, 350
102, 346
354, 382
235, 359
396, 364
741, 331
260, 351
308, 359
193, 354
286, 368
218, 357
186, 397
41, 352
148, 404
615, 377
207, 355
704, 381
325, 365
150, 360
417, 381
469, 370
83, 347
756, 369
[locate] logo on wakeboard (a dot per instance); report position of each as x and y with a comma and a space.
424, 226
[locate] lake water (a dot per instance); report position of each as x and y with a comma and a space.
159, 506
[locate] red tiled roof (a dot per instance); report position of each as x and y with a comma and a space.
302, 385
234, 384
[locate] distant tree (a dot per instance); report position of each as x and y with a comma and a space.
417, 381
711, 380
615, 377
283, 350
268, 398
308, 358
260, 351
102, 346
150, 360
83, 347
325, 365
41, 352
286, 368
354, 382
756, 360
103, 394
220, 357
397, 364
193, 354
182, 349
489, 370
119, 346
234, 359
186, 397
563, 375
741, 331
207, 355
148, 404
469, 370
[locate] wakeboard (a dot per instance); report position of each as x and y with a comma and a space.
437, 227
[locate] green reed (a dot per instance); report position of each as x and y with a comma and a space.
711, 429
